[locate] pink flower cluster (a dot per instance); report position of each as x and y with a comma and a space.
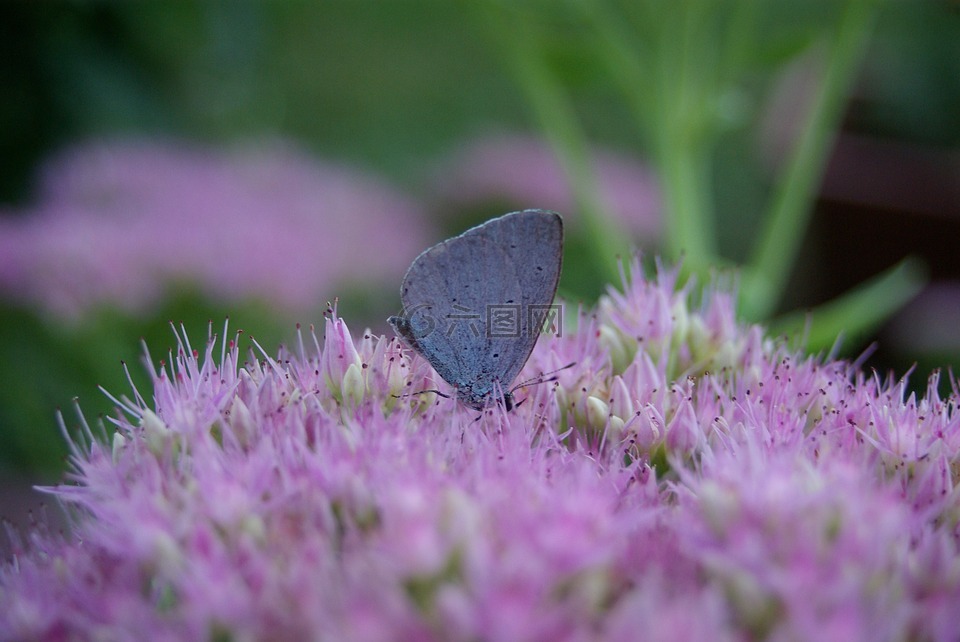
522, 171
123, 222
688, 479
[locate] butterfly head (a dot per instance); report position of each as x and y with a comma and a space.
480, 401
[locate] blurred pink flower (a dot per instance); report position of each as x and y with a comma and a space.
688, 479
123, 223
929, 324
522, 171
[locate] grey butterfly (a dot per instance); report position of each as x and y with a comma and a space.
474, 305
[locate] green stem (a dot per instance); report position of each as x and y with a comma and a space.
666, 102
559, 121
858, 311
782, 234
685, 180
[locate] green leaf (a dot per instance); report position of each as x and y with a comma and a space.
854, 314
789, 215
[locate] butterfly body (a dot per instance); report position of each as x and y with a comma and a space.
474, 304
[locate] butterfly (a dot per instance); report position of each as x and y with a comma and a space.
474, 305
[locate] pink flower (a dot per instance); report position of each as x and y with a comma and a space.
520, 172
928, 325
687, 479
124, 223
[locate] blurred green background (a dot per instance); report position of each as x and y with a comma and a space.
816, 145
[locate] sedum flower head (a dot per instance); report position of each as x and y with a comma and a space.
518, 170
688, 479
123, 222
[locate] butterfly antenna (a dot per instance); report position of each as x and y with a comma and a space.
420, 392
543, 377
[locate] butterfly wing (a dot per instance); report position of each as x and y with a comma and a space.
444, 295
468, 300
533, 242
